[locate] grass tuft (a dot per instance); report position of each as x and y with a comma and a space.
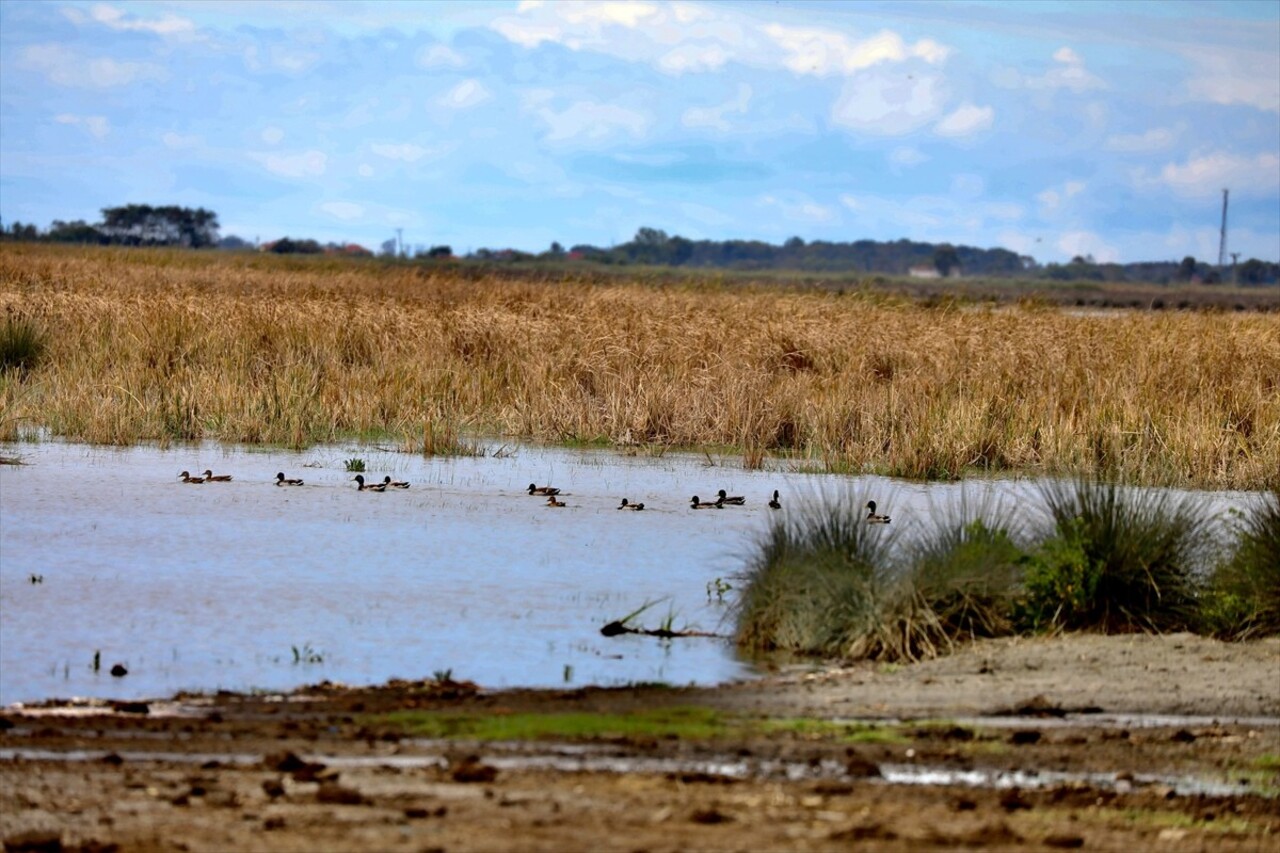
22, 343
1117, 559
1242, 598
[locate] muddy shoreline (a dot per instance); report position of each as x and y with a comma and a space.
1032, 744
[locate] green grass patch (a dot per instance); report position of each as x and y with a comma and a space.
815, 729
683, 722
22, 343
1242, 598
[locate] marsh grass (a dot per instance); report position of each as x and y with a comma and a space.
22, 343
1242, 598
1103, 557
169, 345
1117, 558
818, 582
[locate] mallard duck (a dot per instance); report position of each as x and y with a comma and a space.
872, 518
282, 480
542, 490
551, 501
187, 478
395, 484
736, 500
775, 503
221, 478
371, 487
698, 504
626, 505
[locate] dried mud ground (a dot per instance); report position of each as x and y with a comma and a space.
1119, 743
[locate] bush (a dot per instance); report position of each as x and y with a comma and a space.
1116, 559
22, 343
817, 582
1242, 598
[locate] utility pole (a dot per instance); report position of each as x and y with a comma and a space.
1235, 258
1222, 242
400, 240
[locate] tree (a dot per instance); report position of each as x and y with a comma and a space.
440, 252
1187, 268
945, 259
556, 249
74, 232
388, 248
144, 225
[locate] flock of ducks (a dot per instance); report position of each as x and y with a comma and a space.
723, 498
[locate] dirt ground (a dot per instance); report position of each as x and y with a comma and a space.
1098, 743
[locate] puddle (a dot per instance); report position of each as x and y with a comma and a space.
247, 586
577, 759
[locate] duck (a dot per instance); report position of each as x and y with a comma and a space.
187, 478
282, 480
395, 484
775, 503
872, 518
736, 500
626, 505
371, 487
551, 501
542, 490
699, 504
220, 478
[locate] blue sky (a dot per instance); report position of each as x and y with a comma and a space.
1050, 128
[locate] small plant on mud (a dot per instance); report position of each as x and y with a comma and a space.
97, 660
355, 465
442, 676
306, 654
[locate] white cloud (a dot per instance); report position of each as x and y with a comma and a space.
407, 151
272, 135
440, 56
1139, 143
97, 126
1236, 76
1052, 199
887, 103
1207, 175
1086, 243
1068, 73
586, 120
798, 207
167, 24
812, 50
365, 170
466, 94
65, 67
694, 57
714, 117
965, 121
178, 141
680, 38
907, 156
345, 210
931, 217
305, 164
292, 60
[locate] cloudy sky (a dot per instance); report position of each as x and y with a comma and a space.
1050, 128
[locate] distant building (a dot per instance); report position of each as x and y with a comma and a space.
930, 271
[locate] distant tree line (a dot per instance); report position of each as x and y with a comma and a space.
130, 225
145, 225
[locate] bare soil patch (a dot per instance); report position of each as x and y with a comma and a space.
328, 769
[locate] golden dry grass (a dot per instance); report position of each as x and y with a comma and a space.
152, 345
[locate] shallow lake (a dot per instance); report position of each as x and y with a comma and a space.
215, 586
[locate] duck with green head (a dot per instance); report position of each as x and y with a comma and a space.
873, 517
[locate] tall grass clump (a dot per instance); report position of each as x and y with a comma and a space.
1116, 559
817, 582
22, 343
1242, 598
962, 580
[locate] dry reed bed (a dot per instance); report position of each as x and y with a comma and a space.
174, 346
